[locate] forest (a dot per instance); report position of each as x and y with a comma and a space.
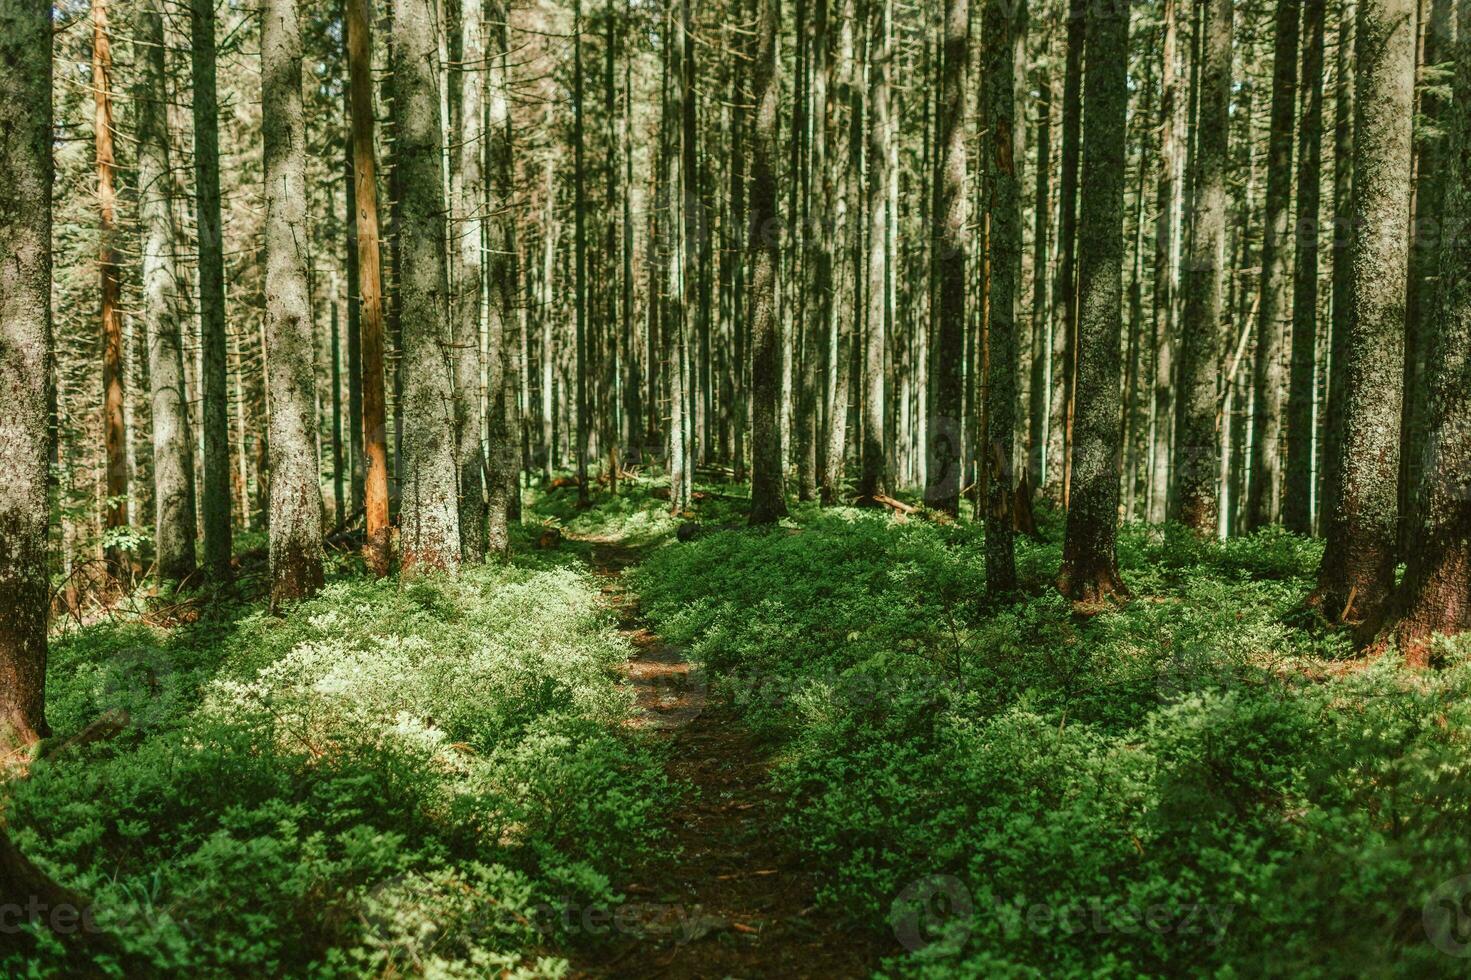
740, 488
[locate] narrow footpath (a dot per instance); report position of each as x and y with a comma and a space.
728, 897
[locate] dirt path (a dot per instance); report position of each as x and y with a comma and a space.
728, 897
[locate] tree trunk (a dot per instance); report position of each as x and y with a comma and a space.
1357, 572
1342, 296
469, 289
843, 190
1197, 449
872, 470
1066, 292
216, 416
430, 531
114, 381
947, 357
504, 326
1089, 565
1297, 492
1264, 491
173, 445
296, 502
1435, 596
376, 546
25, 367
768, 496
1041, 379
1166, 247
579, 212
1002, 22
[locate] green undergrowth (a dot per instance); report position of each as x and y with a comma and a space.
1201, 781
389, 780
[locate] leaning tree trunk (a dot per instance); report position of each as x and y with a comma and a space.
1435, 596
25, 365
768, 495
1005, 240
1197, 447
216, 415
1357, 571
296, 500
173, 445
429, 519
469, 287
1297, 490
942, 464
1089, 563
1264, 492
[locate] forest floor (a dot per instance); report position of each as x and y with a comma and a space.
729, 895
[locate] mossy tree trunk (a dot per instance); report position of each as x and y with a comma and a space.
1435, 596
25, 365
1362, 519
296, 499
1089, 564
429, 512
768, 493
1197, 446
942, 464
173, 444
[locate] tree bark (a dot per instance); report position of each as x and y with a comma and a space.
470, 288
296, 501
114, 381
1041, 374
430, 531
1342, 283
25, 366
1297, 491
173, 445
873, 478
376, 545
1435, 596
1358, 565
1197, 449
216, 416
947, 357
504, 326
1002, 22
842, 322
768, 495
1089, 564
1166, 247
1065, 294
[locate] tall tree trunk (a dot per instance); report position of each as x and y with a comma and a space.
376, 545
469, 291
1166, 247
430, 531
1342, 283
1041, 374
768, 495
1435, 596
872, 471
820, 351
579, 212
114, 381
1297, 492
1357, 572
1089, 564
1265, 489
1428, 203
842, 188
216, 415
1197, 450
26, 441
296, 501
504, 329
1066, 292
1002, 24
947, 356
358, 468
173, 444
